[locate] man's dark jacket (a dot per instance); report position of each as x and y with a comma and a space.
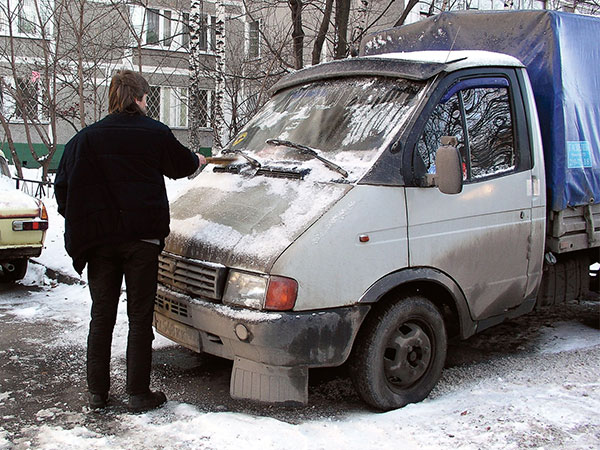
110, 186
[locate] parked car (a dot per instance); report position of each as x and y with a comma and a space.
23, 225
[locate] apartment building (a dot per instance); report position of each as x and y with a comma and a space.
57, 58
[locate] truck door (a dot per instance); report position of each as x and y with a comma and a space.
481, 236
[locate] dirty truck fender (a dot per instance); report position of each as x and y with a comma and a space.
409, 279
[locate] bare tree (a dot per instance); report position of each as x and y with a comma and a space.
297, 33
33, 86
322, 33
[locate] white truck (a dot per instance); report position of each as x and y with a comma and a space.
378, 206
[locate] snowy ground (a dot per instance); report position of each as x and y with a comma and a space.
533, 382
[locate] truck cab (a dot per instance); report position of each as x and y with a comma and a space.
375, 207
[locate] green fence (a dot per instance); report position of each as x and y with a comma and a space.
28, 161
24, 154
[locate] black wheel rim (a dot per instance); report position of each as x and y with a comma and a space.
407, 355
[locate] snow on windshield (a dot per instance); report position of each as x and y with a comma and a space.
349, 121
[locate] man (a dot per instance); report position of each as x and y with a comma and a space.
110, 189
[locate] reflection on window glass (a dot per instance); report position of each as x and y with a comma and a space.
490, 131
152, 26
168, 38
203, 33
487, 147
445, 120
27, 17
185, 37
336, 115
253, 40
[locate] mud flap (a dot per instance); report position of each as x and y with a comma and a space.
274, 384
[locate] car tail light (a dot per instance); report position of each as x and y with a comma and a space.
30, 225
281, 294
43, 212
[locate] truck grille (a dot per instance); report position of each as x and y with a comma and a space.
190, 276
172, 306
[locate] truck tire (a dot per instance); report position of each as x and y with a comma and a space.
568, 279
13, 270
399, 353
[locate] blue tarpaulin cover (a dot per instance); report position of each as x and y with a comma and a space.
562, 54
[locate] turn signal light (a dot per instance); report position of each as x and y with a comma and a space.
281, 294
44, 212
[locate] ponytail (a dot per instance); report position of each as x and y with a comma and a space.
125, 88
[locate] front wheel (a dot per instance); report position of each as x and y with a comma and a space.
399, 353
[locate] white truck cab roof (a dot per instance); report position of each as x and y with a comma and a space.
455, 59
420, 65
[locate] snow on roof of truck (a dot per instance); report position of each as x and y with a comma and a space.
455, 59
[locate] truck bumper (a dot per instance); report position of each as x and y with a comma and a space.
13, 252
272, 351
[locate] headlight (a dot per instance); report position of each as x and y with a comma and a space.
245, 289
260, 291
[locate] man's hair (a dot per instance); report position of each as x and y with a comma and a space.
125, 88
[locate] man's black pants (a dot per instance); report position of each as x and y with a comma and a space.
107, 264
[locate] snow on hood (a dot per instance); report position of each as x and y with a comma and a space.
245, 222
15, 202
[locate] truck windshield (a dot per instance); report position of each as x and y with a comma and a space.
350, 121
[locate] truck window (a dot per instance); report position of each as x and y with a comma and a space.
486, 142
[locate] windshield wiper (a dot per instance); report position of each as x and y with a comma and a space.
308, 151
252, 161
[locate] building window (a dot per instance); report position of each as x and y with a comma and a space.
185, 34
26, 17
169, 105
153, 103
213, 33
167, 34
152, 27
253, 40
158, 27
203, 33
28, 105
23, 99
205, 110
207, 33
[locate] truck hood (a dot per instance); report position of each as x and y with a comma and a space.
243, 222
14, 203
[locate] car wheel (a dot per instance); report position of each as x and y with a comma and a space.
399, 353
13, 270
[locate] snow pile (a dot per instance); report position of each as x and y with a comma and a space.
567, 337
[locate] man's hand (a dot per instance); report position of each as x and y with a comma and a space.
201, 159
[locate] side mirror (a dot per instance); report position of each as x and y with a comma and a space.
448, 165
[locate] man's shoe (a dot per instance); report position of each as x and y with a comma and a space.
144, 402
98, 401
